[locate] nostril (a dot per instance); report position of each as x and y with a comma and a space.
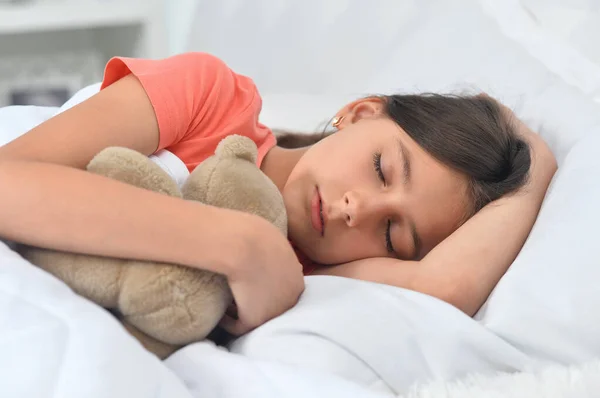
348, 218
346, 200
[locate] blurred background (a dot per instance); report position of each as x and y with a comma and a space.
51, 48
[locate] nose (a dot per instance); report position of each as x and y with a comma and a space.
357, 207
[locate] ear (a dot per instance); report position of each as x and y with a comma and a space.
363, 108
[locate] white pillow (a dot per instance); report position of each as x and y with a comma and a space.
17, 120
577, 25
547, 303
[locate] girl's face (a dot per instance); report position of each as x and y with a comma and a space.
370, 191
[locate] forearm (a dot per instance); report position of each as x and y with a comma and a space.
68, 209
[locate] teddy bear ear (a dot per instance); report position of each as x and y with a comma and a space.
238, 146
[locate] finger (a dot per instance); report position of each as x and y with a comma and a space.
233, 326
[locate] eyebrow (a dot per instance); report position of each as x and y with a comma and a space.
406, 171
405, 157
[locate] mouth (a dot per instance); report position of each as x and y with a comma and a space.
317, 219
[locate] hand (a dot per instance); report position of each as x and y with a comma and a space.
543, 161
267, 279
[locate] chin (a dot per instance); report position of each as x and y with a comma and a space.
305, 246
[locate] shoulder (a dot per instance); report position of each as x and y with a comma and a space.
197, 99
181, 66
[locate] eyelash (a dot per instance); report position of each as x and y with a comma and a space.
377, 165
379, 171
388, 238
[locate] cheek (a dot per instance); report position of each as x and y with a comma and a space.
325, 164
442, 218
440, 203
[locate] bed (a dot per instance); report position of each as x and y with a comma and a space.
536, 335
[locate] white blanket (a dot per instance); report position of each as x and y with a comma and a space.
55, 343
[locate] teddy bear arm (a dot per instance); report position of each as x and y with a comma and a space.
173, 304
159, 348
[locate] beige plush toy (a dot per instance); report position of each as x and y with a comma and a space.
166, 306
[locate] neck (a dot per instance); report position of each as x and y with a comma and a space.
279, 163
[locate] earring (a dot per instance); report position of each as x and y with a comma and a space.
337, 120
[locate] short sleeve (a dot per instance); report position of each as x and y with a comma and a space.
198, 100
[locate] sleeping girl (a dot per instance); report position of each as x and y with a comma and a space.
433, 193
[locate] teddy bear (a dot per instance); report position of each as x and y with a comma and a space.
167, 306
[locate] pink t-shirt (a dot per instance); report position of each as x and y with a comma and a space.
198, 100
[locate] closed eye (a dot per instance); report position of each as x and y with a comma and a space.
377, 166
388, 238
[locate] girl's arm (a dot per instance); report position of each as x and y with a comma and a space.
48, 201
464, 268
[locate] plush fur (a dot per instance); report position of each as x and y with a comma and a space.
166, 306
555, 381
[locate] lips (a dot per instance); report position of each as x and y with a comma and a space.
316, 215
